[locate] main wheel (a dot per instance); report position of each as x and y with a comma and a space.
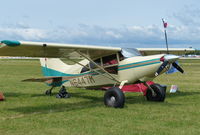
160, 93
114, 97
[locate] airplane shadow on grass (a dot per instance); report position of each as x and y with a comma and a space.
92, 102
15, 94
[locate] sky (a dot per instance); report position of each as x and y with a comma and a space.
121, 23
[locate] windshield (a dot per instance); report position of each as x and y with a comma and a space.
130, 52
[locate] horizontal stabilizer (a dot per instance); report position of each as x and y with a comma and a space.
51, 81
44, 79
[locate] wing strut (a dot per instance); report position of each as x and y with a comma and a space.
93, 70
112, 78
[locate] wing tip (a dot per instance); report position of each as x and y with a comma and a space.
11, 43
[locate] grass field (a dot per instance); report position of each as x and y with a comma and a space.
27, 111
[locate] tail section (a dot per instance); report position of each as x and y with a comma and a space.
56, 67
57, 72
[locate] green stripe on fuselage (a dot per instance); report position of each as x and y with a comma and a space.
51, 72
139, 62
138, 66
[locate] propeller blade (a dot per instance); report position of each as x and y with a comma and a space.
177, 67
160, 69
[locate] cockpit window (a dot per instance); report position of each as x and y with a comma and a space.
130, 52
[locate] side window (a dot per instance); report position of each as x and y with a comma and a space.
84, 69
110, 64
97, 61
91, 65
110, 60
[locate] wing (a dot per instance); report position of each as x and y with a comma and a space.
176, 51
54, 50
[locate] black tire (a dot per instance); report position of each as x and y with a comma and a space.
58, 96
63, 95
67, 95
160, 92
114, 97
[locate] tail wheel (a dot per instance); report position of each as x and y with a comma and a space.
63, 93
114, 97
159, 95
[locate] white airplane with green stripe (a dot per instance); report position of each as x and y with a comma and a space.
114, 68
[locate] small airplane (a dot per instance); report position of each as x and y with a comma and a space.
112, 68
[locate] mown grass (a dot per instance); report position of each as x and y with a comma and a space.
27, 111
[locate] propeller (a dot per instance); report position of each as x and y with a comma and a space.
174, 64
160, 69
169, 59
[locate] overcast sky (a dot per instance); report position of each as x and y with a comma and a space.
124, 23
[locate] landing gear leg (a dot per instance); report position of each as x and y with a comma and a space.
150, 89
49, 92
156, 92
63, 93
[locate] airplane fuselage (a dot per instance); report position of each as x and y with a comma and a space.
132, 69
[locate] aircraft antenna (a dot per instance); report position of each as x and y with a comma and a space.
165, 26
